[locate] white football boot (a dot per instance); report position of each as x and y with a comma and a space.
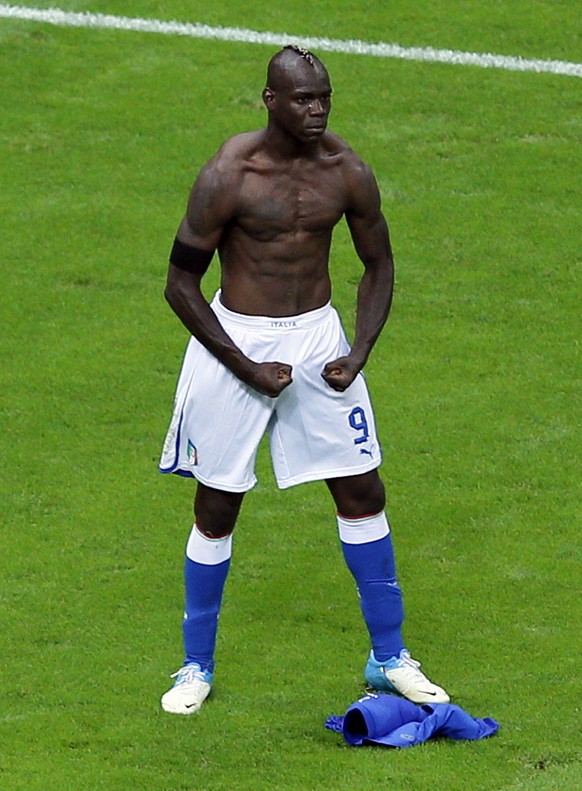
191, 688
401, 674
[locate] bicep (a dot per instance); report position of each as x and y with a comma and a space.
371, 238
210, 208
367, 224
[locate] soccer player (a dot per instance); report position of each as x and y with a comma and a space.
269, 354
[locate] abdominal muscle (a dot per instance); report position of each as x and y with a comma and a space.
281, 277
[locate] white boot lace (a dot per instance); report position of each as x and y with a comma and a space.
188, 674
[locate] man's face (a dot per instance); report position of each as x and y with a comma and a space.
301, 102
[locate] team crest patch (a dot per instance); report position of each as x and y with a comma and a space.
192, 454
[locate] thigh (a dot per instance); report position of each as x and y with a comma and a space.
217, 425
318, 433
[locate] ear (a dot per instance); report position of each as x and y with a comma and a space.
268, 98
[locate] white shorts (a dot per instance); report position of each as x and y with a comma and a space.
315, 432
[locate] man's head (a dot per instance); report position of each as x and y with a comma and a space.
298, 94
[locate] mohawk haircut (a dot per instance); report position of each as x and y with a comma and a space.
303, 53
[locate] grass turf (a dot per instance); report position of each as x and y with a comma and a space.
474, 381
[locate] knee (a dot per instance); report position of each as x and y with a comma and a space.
358, 495
216, 511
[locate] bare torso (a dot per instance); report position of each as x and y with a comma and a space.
268, 201
274, 249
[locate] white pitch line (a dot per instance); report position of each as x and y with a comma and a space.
55, 16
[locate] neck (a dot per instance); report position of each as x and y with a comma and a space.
283, 146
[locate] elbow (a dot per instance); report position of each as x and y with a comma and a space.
381, 270
390, 272
386, 271
182, 289
170, 294
173, 292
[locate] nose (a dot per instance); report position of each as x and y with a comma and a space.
316, 107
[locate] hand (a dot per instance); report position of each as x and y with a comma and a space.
271, 379
340, 373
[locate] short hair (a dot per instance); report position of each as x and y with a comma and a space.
303, 53
288, 57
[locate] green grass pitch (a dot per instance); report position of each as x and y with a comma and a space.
476, 384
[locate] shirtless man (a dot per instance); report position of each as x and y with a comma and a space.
270, 354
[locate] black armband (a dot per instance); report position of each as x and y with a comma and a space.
190, 259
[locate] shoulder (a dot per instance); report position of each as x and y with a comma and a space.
228, 164
336, 144
355, 170
236, 150
362, 190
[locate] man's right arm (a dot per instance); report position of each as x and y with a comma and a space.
370, 236
210, 207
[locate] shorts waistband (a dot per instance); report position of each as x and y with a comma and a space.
303, 320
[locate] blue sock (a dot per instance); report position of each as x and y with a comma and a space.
206, 568
367, 548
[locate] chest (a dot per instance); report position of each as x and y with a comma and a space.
310, 199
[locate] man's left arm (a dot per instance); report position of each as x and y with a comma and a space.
371, 239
